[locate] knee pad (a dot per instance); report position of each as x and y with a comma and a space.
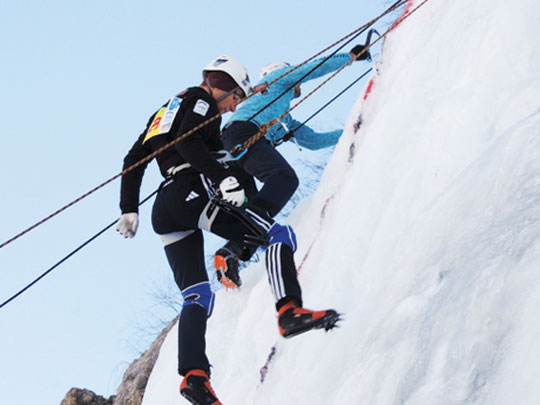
199, 294
282, 234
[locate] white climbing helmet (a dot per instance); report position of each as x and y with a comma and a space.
233, 68
271, 67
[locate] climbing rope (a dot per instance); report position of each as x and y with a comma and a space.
263, 131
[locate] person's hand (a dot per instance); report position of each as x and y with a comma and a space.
127, 224
356, 53
231, 191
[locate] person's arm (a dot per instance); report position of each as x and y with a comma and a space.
193, 149
130, 189
131, 181
329, 66
309, 139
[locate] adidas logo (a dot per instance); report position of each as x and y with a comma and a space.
192, 196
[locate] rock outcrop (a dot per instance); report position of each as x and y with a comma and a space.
77, 396
131, 390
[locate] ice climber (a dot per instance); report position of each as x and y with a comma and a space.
201, 193
262, 160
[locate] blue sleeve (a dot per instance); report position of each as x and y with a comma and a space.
331, 65
309, 139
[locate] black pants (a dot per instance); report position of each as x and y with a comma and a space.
265, 163
181, 209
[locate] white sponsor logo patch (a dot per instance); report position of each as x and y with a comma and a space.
170, 114
201, 107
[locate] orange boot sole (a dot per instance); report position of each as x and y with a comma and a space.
221, 266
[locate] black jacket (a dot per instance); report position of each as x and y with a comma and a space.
176, 117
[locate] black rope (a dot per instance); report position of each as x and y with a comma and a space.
68, 256
334, 98
366, 44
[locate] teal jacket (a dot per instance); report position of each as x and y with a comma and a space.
304, 135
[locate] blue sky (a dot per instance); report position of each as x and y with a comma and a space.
78, 81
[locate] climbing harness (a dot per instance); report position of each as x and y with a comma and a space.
258, 236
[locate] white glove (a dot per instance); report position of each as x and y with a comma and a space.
127, 224
231, 191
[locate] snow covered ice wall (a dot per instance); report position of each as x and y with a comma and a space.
429, 241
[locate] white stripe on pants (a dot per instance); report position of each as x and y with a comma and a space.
274, 271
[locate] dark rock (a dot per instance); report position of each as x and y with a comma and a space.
78, 396
134, 381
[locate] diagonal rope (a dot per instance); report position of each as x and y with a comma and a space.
334, 98
396, 5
